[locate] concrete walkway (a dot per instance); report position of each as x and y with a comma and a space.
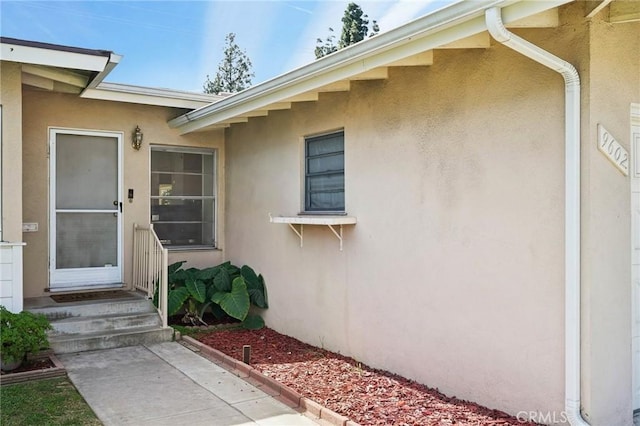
167, 384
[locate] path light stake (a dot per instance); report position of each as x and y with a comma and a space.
246, 354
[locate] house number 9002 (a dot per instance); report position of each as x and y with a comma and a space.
611, 149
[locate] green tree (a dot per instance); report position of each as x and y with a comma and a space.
234, 72
355, 27
326, 46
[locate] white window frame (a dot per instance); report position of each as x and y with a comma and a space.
190, 150
305, 174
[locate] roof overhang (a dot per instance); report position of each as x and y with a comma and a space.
53, 55
58, 68
80, 71
149, 96
460, 25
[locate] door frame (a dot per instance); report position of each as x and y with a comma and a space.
83, 278
634, 142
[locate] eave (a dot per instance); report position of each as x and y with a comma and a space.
460, 25
58, 68
149, 96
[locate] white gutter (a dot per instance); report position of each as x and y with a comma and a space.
572, 202
456, 21
112, 61
149, 95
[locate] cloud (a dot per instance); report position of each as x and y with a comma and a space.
300, 9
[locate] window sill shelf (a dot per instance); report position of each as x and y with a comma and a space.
322, 220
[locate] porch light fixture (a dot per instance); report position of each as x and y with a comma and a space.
136, 140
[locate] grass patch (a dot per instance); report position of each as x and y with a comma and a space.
44, 402
186, 331
198, 331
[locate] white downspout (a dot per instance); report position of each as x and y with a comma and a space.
572, 202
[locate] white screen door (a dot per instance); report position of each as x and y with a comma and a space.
85, 209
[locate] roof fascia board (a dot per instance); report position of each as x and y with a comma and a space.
147, 96
53, 58
114, 60
154, 91
447, 25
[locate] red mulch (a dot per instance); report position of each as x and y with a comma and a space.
365, 395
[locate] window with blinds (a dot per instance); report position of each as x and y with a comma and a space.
324, 173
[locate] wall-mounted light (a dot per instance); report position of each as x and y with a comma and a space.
136, 140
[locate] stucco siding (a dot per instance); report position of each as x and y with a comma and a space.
43, 110
11, 101
453, 275
613, 84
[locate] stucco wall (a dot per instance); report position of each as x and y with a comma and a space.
11, 101
453, 275
43, 110
613, 84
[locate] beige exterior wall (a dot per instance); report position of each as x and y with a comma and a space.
613, 84
43, 110
11, 101
453, 275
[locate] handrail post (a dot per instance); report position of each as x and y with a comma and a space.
150, 262
135, 256
164, 282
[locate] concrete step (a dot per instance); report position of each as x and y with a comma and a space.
93, 324
59, 311
68, 343
88, 325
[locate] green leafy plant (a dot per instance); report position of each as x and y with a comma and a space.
223, 290
21, 334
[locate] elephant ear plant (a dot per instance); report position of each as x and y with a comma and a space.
223, 290
21, 334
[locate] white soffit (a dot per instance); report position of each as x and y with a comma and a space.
624, 11
461, 21
57, 74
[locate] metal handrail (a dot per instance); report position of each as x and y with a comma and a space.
150, 267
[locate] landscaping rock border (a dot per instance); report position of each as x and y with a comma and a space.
266, 384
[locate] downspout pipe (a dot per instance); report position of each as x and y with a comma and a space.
493, 18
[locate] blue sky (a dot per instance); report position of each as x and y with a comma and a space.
175, 44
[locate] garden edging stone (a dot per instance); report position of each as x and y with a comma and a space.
250, 374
